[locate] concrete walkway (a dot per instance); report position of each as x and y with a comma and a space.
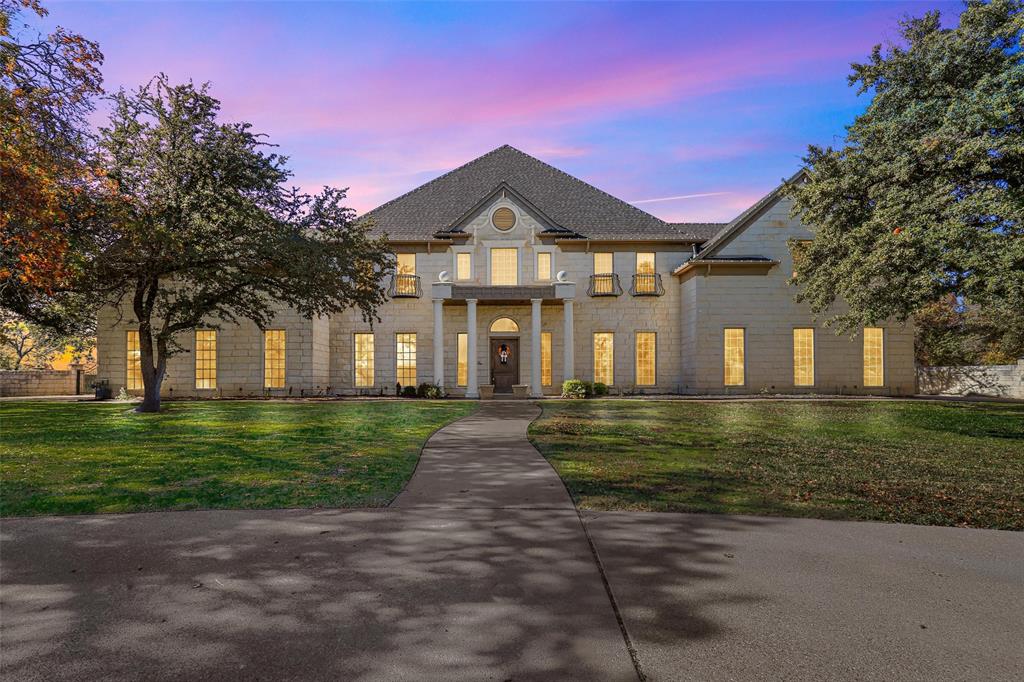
482, 570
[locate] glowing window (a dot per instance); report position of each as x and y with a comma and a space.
504, 267
646, 353
603, 264
364, 359
734, 357
405, 268
206, 359
874, 372
803, 357
545, 358
604, 357
505, 324
646, 281
405, 359
133, 380
273, 358
406, 264
462, 359
544, 265
504, 218
463, 266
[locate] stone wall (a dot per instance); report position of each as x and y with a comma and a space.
1001, 381
33, 382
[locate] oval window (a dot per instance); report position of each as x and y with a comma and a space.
503, 219
504, 324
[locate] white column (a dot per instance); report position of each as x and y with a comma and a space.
569, 360
472, 390
439, 342
535, 387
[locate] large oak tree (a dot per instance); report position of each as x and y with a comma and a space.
925, 200
201, 228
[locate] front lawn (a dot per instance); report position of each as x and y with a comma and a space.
903, 461
70, 458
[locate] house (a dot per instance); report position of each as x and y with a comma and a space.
511, 272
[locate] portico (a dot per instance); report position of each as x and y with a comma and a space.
445, 293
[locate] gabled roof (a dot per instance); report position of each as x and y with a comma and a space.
573, 207
737, 224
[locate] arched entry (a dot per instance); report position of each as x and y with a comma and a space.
504, 345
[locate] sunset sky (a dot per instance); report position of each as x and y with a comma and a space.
690, 110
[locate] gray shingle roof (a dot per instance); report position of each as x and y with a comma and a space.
573, 206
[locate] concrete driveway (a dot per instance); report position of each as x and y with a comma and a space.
483, 570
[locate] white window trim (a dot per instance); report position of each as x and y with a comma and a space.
516, 244
537, 250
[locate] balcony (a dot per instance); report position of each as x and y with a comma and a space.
604, 285
647, 284
405, 286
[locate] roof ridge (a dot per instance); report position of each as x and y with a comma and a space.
416, 189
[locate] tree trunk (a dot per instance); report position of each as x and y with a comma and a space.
152, 372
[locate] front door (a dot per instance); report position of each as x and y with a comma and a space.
504, 364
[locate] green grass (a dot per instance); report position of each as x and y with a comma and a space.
947, 464
72, 458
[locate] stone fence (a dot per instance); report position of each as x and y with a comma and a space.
38, 382
1001, 381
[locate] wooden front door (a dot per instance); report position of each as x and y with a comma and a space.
504, 364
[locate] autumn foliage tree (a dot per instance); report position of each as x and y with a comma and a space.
924, 203
202, 230
47, 179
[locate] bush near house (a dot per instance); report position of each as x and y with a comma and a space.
575, 389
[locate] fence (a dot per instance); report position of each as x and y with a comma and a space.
38, 382
1001, 381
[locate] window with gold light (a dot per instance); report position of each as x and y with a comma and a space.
504, 266
133, 376
405, 274
604, 269
206, 359
364, 359
646, 281
544, 265
646, 353
604, 357
463, 266
405, 359
735, 360
874, 357
545, 359
506, 325
803, 357
462, 359
273, 358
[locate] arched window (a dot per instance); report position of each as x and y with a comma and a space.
504, 324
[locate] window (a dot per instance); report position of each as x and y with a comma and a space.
505, 324
405, 359
803, 357
462, 360
133, 376
874, 372
797, 250
406, 264
405, 282
463, 266
604, 268
734, 357
603, 264
206, 359
646, 281
503, 219
604, 358
504, 267
273, 358
646, 350
544, 265
364, 359
545, 358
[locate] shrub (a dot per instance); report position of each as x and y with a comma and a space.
574, 388
409, 392
431, 391
600, 389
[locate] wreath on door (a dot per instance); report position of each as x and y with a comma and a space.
503, 354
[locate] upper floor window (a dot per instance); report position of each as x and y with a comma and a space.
406, 264
544, 265
504, 266
463, 266
646, 280
604, 264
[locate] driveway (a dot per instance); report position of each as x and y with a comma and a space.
482, 569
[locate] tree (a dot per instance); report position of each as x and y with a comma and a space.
201, 229
25, 344
47, 86
925, 200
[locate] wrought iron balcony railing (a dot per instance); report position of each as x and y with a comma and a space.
647, 284
405, 286
604, 285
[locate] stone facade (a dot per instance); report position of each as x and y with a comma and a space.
995, 381
688, 318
